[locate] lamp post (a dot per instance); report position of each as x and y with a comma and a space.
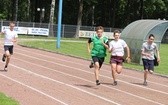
41, 13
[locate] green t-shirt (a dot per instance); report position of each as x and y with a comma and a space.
98, 48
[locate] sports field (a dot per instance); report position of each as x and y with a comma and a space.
78, 48
38, 77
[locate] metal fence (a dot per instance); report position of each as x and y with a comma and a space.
68, 31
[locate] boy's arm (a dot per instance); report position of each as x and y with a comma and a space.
1, 33
158, 54
105, 42
128, 52
14, 40
106, 45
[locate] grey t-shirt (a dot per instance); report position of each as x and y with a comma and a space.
150, 49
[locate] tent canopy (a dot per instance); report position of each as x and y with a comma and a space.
138, 32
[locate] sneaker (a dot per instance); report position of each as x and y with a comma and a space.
97, 82
145, 83
3, 58
5, 68
91, 65
150, 71
115, 83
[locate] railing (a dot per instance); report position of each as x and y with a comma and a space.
68, 31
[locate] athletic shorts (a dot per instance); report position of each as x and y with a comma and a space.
99, 60
117, 60
8, 48
148, 64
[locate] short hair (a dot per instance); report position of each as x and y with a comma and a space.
116, 31
11, 22
151, 35
99, 28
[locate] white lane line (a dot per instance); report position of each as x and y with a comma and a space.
38, 91
74, 87
83, 65
90, 81
90, 73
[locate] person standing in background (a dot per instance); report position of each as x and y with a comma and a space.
10, 36
98, 52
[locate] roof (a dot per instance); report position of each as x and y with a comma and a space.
140, 29
137, 32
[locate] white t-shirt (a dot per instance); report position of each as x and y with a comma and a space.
117, 47
150, 49
9, 35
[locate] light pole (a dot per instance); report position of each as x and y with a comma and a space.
41, 12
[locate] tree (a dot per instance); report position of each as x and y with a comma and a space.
141, 8
79, 21
51, 21
91, 3
109, 13
28, 10
16, 10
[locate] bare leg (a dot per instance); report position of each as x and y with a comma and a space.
7, 54
145, 76
113, 69
119, 69
7, 59
97, 69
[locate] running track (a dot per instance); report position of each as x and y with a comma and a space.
37, 77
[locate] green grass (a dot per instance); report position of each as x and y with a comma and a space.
4, 100
79, 49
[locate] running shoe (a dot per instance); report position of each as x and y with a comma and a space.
145, 83
150, 71
5, 68
91, 65
3, 58
97, 82
115, 83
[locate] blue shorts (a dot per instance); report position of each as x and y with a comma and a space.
148, 64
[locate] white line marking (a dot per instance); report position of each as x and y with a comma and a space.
89, 81
90, 73
83, 65
92, 94
34, 89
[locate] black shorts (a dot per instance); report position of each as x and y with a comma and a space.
148, 64
99, 60
8, 48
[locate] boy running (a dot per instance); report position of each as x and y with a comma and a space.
98, 52
9, 39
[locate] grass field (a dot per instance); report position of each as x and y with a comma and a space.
78, 48
4, 100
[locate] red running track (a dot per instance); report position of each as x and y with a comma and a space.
37, 77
